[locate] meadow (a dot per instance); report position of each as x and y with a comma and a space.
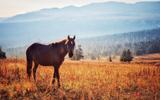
83, 80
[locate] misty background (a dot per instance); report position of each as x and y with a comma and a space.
101, 29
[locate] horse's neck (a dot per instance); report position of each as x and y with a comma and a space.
63, 50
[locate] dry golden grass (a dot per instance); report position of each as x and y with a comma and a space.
81, 80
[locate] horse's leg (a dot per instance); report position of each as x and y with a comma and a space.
29, 68
34, 70
58, 77
54, 76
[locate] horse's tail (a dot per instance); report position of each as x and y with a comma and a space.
29, 62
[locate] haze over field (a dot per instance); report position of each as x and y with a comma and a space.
86, 21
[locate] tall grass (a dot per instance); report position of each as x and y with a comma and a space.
81, 80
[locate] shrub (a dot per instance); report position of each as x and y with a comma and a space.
2, 54
110, 59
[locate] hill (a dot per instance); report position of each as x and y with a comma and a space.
85, 21
139, 42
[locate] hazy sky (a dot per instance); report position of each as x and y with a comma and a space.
13, 7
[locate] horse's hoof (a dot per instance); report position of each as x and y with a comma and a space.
53, 81
59, 85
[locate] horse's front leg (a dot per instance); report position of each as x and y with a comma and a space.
58, 78
54, 76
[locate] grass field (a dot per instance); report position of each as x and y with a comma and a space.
83, 80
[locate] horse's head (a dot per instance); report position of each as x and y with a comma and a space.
70, 45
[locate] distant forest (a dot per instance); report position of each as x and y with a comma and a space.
139, 43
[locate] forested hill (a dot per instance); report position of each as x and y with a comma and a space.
140, 42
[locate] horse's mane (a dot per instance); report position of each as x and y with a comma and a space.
54, 44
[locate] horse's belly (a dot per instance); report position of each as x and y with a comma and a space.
45, 62
48, 61
47, 58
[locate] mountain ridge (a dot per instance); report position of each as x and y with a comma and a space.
86, 21
104, 4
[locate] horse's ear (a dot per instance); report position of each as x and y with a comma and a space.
69, 37
74, 37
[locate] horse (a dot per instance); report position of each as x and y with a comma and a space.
49, 55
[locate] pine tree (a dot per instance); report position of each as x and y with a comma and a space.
126, 56
129, 56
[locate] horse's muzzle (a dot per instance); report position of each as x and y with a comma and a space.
70, 55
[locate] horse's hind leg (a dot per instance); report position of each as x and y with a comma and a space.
34, 70
29, 68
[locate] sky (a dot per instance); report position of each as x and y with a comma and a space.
13, 7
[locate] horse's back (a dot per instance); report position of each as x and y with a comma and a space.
36, 46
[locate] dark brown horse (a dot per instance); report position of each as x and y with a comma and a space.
49, 55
